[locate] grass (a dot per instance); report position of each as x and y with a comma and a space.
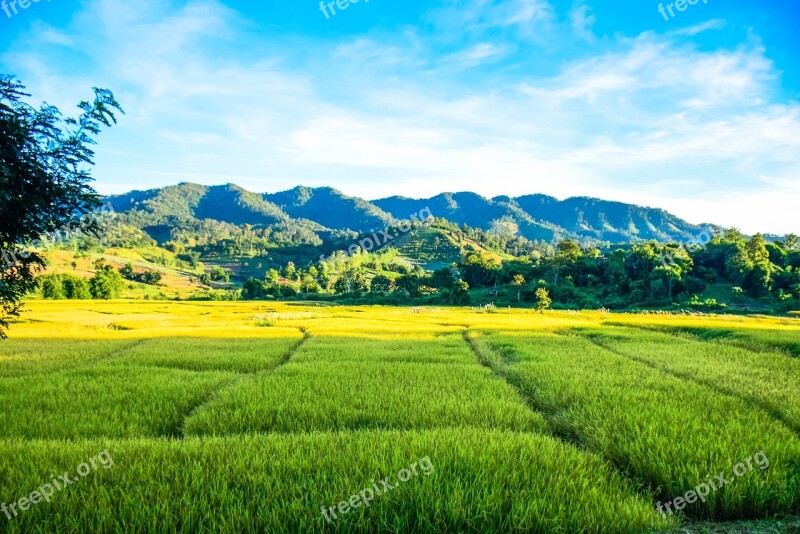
102, 401
235, 416
431, 348
768, 380
762, 335
41, 356
342, 396
663, 431
248, 355
280, 483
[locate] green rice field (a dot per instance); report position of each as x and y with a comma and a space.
271, 417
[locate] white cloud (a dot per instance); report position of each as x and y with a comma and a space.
582, 22
714, 24
530, 19
651, 120
475, 55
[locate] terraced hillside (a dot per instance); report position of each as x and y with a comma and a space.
435, 248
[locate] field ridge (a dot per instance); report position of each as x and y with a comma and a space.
491, 359
242, 376
771, 409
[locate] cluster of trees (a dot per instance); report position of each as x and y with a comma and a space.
501, 239
217, 274
106, 284
64, 286
149, 277
361, 275
650, 274
569, 275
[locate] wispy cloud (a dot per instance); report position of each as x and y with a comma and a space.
471, 98
582, 22
714, 24
475, 55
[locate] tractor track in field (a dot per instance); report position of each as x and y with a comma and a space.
119, 352
772, 411
286, 358
560, 433
570, 438
758, 348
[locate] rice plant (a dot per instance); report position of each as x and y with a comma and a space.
667, 433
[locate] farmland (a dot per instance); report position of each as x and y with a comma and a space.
233, 416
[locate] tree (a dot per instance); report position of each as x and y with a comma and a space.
76, 288
675, 262
309, 284
291, 271
63, 286
442, 278
543, 300
567, 254
44, 182
351, 281
569, 249
128, 272
382, 284
253, 290
52, 287
460, 294
791, 242
517, 281
479, 270
218, 274
150, 277
733, 235
757, 280
106, 284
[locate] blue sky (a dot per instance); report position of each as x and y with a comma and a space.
698, 114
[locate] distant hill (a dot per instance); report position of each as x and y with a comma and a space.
546, 218
330, 208
435, 248
324, 209
224, 203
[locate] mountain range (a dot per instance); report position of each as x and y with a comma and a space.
324, 209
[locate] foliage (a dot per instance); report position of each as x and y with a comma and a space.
543, 300
146, 277
44, 182
218, 274
106, 284
63, 286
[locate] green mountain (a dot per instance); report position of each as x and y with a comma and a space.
224, 203
546, 218
330, 208
324, 210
